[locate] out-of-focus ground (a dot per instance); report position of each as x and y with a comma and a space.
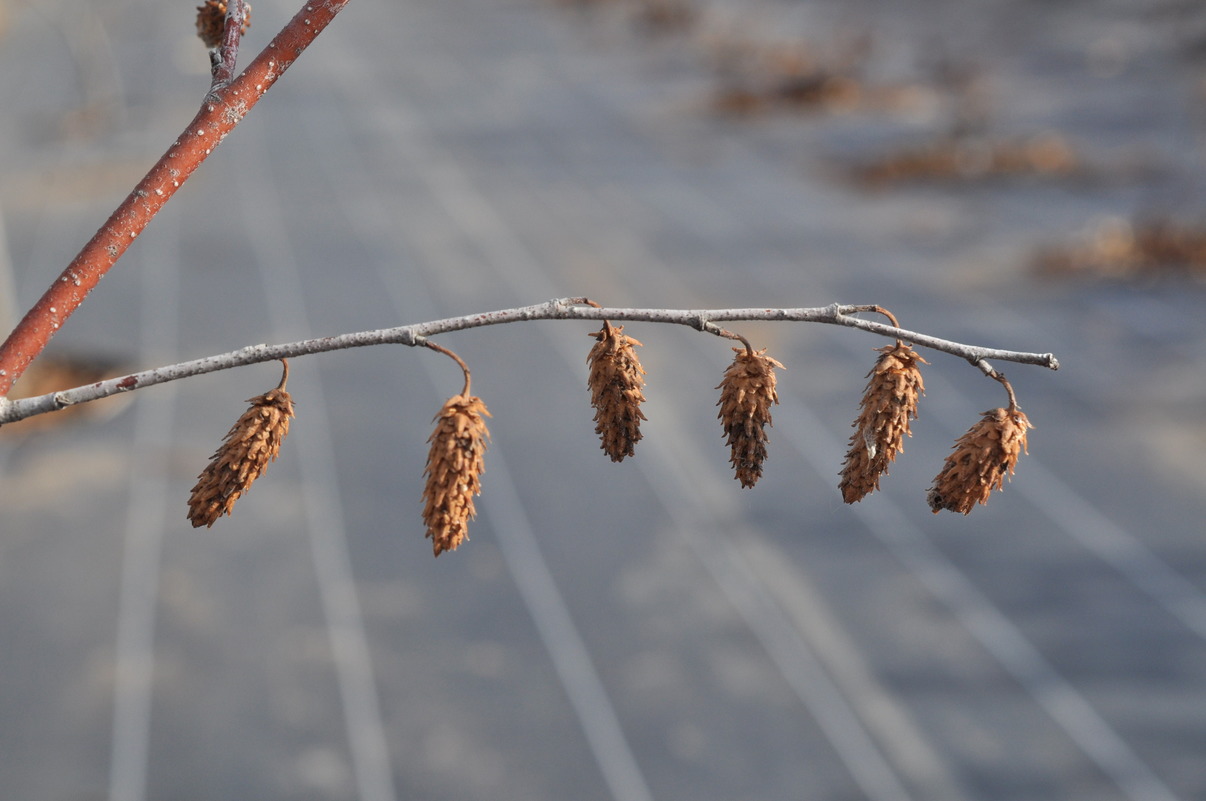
1024, 175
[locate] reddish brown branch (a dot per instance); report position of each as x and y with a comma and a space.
221, 112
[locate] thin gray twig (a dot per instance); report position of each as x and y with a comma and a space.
558, 309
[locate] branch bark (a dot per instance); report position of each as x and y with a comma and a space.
558, 309
223, 109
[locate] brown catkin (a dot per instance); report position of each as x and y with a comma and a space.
616, 382
888, 404
747, 392
454, 469
981, 461
211, 21
253, 442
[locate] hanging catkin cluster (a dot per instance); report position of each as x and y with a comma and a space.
454, 469
981, 461
747, 392
253, 442
889, 402
616, 384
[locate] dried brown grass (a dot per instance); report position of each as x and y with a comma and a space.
971, 159
1123, 249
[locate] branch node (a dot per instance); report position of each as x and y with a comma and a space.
891, 317
712, 328
984, 367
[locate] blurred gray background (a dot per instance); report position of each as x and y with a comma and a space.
635, 631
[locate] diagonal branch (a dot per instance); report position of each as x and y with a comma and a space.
222, 110
558, 309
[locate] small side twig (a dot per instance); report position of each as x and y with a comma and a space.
226, 55
874, 309
712, 328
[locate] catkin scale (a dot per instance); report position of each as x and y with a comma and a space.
454, 468
616, 383
981, 461
889, 402
253, 442
747, 392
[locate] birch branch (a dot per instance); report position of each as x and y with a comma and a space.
225, 106
558, 309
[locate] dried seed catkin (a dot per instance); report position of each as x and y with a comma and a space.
981, 461
253, 442
747, 392
889, 402
616, 383
454, 468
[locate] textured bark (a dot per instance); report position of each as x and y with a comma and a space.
223, 109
